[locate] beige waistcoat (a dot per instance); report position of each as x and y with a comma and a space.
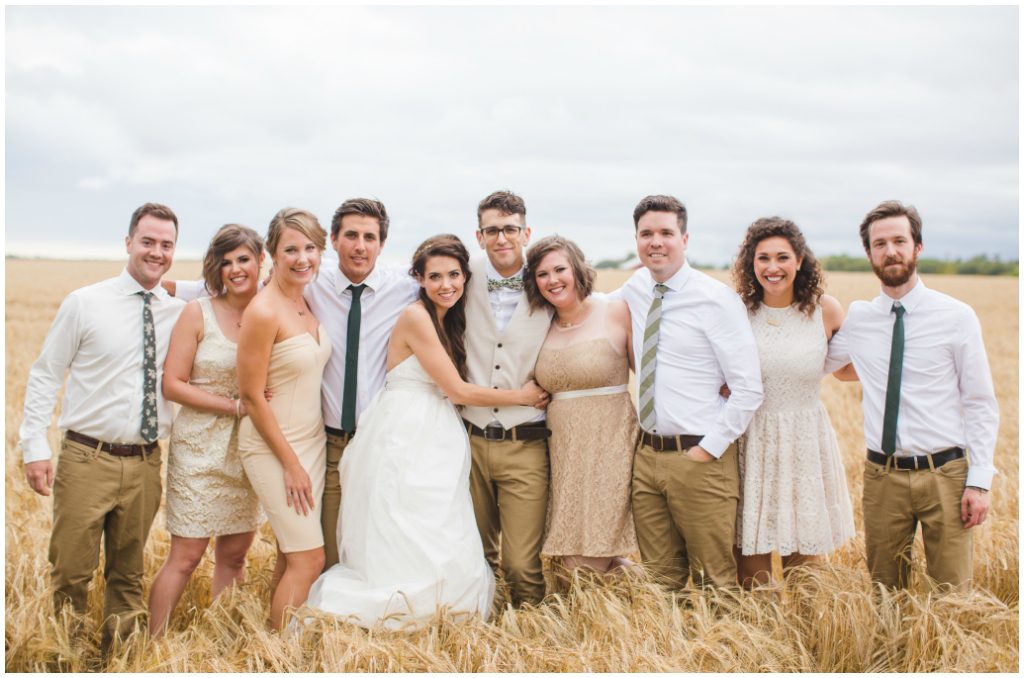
503, 359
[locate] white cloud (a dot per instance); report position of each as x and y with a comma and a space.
228, 114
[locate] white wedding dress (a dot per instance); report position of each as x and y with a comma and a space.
407, 537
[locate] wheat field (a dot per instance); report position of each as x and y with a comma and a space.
824, 619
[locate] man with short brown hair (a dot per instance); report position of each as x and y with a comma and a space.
929, 408
110, 340
509, 477
690, 333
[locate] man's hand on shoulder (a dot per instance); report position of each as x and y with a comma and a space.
39, 475
974, 507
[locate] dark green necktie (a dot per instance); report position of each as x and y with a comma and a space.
892, 390
348, 396
150, 425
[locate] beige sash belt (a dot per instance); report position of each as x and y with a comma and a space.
587, 392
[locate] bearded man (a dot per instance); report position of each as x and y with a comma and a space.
930, 413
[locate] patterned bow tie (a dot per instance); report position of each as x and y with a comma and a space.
514, 283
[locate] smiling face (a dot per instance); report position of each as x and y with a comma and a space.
505, 251
775, 267
892, 250
358, 245
296, 259
443, 281
240, 271
556, 281
150, 250
660, 244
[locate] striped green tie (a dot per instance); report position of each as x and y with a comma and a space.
648, 359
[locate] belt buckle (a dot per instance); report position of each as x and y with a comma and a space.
657, 443
494, 433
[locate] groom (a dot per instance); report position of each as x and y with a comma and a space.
509, 478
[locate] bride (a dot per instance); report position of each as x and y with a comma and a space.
407, 536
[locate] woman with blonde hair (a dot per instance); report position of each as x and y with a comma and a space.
208, 494
282, 443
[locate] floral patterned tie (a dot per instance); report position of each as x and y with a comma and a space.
150, 426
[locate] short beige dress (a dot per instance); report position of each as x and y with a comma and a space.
593, 436
294, 375
208, 493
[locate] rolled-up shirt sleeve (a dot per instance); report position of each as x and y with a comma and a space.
45, 380
187, 290
838, 352
736, 350
978, 400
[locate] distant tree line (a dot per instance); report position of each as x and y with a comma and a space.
979, 265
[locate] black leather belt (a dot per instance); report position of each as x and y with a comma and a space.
920, 462
345, 435
116, 449
495, 433
669, 443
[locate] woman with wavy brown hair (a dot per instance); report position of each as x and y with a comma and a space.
407, 538
793, 494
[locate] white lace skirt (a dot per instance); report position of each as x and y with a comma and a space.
793, 493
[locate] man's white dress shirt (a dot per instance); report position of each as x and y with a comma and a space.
503, 306
946, 394
389, 289
97, 337
705, 341
503, 299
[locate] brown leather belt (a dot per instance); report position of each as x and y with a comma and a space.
344, 435
918, 463
669, 443
116, 449
494, 433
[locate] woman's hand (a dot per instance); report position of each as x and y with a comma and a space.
298, 488
534, 395
242, 412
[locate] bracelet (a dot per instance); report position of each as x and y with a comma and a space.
238, 408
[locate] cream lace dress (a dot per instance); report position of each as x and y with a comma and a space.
793, 496
593, 437
208, 493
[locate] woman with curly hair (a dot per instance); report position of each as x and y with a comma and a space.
793, 494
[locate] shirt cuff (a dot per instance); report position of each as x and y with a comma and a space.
980, 477
35, 449
715, 445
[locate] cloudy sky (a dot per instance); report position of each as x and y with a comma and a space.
228, 114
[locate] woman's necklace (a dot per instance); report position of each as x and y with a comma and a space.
565, 323
299, 304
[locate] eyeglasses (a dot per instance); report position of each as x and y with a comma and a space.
491, 232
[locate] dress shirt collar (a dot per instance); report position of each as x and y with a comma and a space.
677, 281
493, 274
910, 300
373, 280
130, 285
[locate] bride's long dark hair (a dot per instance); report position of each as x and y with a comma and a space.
452, 331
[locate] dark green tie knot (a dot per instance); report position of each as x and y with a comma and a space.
899, 310
357, 290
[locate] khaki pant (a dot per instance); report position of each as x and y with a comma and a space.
685, 515
509, 484
97, 495
330, 503
895, 501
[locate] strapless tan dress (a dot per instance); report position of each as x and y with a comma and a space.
294, 375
